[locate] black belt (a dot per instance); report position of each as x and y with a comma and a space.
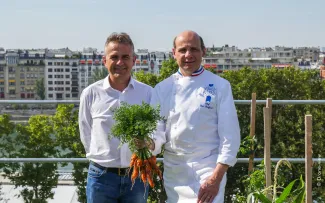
118, 171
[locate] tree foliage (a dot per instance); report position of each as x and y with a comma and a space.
66, 129
37, 179
287, 136
6, 129
147, 78
40, 88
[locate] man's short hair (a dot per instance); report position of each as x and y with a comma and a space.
122, 38
201, 41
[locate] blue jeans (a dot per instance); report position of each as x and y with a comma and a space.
103, 186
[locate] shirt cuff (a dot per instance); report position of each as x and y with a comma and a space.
227, 159
158, 144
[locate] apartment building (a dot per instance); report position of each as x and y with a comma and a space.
307, 53
61, 78
90, 60
226, 58
156, 60
2, 72
142, 60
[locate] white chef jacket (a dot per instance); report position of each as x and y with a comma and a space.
96, 120
201, 130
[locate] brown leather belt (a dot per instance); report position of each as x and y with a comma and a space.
118, 171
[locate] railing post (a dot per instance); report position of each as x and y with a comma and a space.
267, 150
252, 132
308, 157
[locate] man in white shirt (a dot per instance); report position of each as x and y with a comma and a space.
108, 180
201, 134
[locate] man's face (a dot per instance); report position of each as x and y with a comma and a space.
119, 61
188, 52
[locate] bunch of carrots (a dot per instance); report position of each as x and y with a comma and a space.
144, 165
138, 122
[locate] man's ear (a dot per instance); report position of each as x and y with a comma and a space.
204, 51
173, 50
104, 59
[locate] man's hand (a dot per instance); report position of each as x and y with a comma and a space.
208, 191
140, 144
210, 188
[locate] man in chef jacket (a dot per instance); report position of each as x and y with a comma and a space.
201, 131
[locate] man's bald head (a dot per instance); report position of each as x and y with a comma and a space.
189, 34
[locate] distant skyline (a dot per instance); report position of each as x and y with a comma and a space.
153, 24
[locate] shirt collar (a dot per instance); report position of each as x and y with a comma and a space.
106, 84
195, 73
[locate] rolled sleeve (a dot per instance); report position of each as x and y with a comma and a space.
228, 127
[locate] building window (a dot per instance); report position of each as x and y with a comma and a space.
50, 82
12, 83
50, 69
50, 95
67, 95
49, 63
11, 92
49, 76
67, 63
67, 89
74, 95
50, 88
67, 76
22, 82
67, 82
22, 95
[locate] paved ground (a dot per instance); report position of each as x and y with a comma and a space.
64, 193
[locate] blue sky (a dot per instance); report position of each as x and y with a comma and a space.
154, 24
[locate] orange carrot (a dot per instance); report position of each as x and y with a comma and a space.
133, 162
135, 173
139, 162
143, 176
150, 181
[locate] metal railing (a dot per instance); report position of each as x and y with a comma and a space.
239, 102
78, 160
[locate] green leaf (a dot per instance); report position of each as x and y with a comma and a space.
262, 197
285, 193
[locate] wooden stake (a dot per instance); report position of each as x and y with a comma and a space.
267, 150
308, 157
252, 132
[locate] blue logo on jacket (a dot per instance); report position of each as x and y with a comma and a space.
210, 89
207, 102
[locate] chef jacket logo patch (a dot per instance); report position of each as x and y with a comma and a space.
207, 102
210, 89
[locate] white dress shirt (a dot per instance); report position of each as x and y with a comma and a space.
202, 130
96, 120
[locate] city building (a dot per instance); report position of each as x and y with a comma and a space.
142, 60
61, 75
310, 53
227, 58
2, 72
156, 60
